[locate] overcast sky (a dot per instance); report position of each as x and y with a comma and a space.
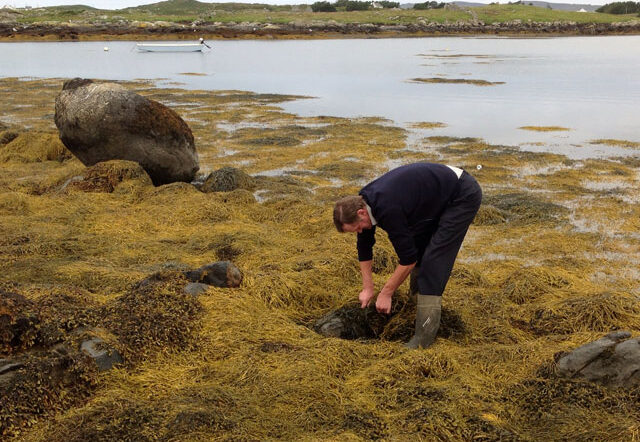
119, 4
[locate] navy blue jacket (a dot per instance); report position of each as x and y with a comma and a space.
405, 202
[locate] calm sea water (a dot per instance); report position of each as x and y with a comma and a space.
588, 84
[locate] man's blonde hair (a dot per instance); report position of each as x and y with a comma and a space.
346, 211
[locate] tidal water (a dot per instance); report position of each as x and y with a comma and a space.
590, 85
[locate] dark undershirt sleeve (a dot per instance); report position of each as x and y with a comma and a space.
365, 243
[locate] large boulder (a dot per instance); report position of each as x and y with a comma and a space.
102, 122
612, 361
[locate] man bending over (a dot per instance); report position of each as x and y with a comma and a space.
426, 210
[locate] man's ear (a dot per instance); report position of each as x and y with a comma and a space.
361, 212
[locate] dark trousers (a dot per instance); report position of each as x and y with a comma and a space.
438, 241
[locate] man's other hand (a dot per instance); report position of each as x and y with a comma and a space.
366, 295
383, 304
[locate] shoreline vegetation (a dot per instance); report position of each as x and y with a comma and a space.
180, 19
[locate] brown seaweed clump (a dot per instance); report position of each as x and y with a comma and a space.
106, 176
155, 314
30, 147
226, 180
527, 284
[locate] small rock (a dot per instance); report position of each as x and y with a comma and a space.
612, 361
195, 288
104, 356
218, 274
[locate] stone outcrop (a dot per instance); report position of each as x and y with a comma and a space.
612, 361
102, 122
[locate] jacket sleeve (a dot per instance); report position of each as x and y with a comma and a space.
365, 243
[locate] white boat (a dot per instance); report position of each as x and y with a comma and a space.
172, 47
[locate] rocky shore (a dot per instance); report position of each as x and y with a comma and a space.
218, 30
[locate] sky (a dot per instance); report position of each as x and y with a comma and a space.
119, 4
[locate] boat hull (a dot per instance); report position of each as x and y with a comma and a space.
169, 47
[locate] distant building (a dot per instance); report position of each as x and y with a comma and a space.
582, 10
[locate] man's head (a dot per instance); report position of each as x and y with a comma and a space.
350, 214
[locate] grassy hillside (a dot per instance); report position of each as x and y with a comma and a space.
182, 11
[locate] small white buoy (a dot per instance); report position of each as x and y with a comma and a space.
479, 166
106, 49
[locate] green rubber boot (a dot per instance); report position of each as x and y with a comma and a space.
428, 313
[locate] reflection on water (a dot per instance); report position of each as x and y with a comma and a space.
587, 84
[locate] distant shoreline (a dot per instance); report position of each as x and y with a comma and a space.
75, 32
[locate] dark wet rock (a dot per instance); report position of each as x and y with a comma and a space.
104, 356
352, 322
6, 366
218, 274
7, 136
227, 179
102, 122
105, 177
196, 288
612, 361
18, 321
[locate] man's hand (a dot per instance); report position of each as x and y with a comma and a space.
383, 304
366, 295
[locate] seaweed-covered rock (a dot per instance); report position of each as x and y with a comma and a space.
218, 274
33, 147
18, 322
226, 180
105, 176
101, 122
155, 314
40, 383
612, 361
